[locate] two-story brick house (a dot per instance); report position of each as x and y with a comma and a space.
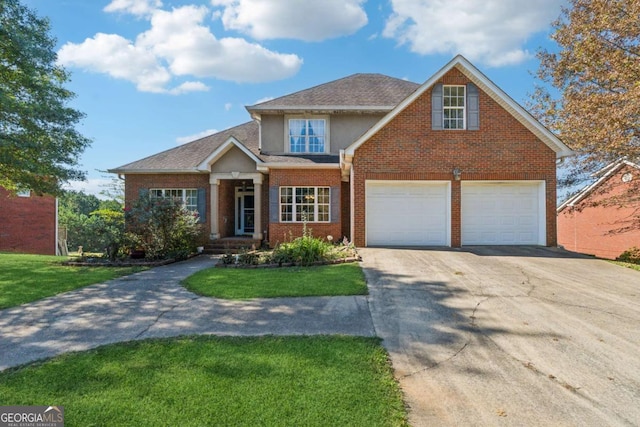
383, 161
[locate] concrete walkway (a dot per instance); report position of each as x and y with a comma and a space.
154, 304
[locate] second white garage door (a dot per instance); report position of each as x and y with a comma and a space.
503, 213
407, 213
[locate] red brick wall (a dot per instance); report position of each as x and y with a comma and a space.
226, 195
27, 224
598, 230
280, 232
408, 149
135, 182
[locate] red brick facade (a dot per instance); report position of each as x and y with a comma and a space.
281, 231
28, 224
136, 182
601, 229
408, 149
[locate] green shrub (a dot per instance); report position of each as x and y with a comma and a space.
304, 250
631, 255
162, 228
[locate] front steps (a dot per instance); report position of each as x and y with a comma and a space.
231, 244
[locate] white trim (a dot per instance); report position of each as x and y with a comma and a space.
265, 167
327, 136
414, 182
497, 94
316, 204
606, 172
464, 107
215, 178
542, 203
205, 165
239, 194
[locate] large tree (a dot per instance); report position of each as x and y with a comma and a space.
39, 145
596, 74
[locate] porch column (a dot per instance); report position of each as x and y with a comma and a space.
257, 206
215, 232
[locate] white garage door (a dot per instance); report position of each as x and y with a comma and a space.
407, 213
503, 213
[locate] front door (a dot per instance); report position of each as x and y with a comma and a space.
245, 211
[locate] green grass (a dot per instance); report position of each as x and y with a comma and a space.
627, 264
26, 278
197, 381
241, 283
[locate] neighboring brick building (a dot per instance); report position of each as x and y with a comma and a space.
592, 222
454, 161
28, 223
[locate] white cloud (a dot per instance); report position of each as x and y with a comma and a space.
134, 7
114, 55
228, 106
491, 31
177, 44
90, 186
293, 19
184, 139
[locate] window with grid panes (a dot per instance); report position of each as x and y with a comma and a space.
299, 204
454, 107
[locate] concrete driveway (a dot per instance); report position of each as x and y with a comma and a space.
509, 336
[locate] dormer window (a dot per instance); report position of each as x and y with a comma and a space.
307, 135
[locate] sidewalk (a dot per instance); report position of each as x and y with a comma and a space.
154, 304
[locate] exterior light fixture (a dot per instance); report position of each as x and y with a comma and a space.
456, 174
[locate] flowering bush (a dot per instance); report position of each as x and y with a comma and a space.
162, 228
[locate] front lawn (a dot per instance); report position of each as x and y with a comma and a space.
26, 278
197, 381
240, 283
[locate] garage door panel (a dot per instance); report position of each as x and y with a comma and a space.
407, 213
505, 213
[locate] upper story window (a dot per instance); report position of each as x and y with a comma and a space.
454, 107
24, 193
186, 196
308, 135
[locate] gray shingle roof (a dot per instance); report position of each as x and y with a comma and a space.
357, 90
188, 156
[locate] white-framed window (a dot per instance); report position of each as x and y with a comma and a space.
307, 135
24, 193
187, 196
454, 107
300, 204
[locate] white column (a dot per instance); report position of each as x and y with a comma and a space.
215, 232
257, 206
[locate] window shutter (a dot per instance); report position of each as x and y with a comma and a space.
473, 107
334, 194
437, 117
143, 192
202, 205
274, 204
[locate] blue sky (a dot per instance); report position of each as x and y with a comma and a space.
152, 74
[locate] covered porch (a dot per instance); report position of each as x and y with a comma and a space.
238, 202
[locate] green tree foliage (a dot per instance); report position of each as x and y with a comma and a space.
596, 72
96, 225
39, 146
162, 228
